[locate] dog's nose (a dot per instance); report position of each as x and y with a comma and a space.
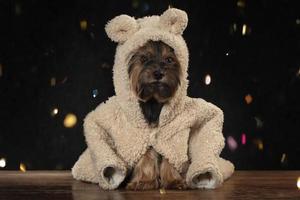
157, 74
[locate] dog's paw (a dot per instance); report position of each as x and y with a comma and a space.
143, 185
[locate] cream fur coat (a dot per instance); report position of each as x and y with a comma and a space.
117, 135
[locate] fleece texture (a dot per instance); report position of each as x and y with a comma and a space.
189, 129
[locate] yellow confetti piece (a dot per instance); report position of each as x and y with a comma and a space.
298, 183
70, 120
53, 81
22, 167
54, 112
83, 25
259, 143
244, 29
241, 3
162, 191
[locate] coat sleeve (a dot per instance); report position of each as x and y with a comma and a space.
110, 168
205, 145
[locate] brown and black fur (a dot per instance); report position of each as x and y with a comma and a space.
154, 73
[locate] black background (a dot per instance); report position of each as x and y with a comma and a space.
41, 40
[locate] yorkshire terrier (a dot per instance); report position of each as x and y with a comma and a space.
154, 73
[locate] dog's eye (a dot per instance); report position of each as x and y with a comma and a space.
143, 58
169, 60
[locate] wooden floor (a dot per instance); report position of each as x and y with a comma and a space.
60, 185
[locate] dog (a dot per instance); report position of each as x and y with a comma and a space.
151, 114
154, 73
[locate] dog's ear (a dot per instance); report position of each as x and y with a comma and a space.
174, 20
120, 28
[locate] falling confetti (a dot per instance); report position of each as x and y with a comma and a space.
70, 120
54, 112
259, 144
234, 26
18, 9
135, 3
248, 98
207, 79
162, 191
92, 35
53, 81
2, 162
241, 3
145, 7
244, 29
232, 144
64, 80
259, 122
22, 167
95, 93
83, 25
243, 138
105, 65
298, 73
283, 158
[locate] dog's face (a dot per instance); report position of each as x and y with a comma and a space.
154, 72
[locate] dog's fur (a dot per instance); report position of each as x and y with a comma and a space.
154, 72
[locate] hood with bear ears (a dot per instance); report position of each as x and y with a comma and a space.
130, 34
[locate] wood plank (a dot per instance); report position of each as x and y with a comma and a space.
60, 185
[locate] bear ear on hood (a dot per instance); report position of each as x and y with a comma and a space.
174, 20
120, 28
